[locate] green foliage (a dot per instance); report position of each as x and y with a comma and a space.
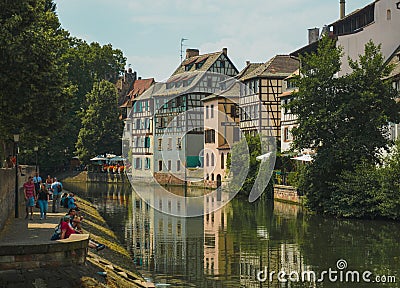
46, 74
245, 167
34, 85
370, 191
344, 119
101, 128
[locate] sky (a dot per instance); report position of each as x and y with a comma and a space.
149, 33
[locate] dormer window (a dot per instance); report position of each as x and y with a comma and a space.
188, 67
200, 64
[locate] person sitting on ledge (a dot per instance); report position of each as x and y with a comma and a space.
67, 230
76, 220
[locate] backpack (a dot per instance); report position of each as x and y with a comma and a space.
64, 201
57, 233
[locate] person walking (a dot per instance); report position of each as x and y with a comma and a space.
37, 180
56, 187
30, 196
43, 200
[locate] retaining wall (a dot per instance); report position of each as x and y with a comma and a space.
286, 193
7, 192
66, 252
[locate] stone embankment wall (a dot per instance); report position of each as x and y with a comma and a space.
86, 176
7, 192
286, 193
53, 254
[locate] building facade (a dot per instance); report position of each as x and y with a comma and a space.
178, 115
259, 97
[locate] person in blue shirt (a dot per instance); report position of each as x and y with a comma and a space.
37, 180
71, 201
56, 188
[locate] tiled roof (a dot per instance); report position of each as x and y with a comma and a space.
250, 67
278, 66
232, 93
394, 60
209, 58
139, 86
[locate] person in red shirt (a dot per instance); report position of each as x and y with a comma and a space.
67, 230
30, 196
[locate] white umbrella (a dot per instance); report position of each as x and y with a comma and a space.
305, 158
117, 158
264, 157
98, 158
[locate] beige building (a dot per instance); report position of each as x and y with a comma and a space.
221, 131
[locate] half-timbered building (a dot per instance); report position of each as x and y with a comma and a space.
259, 97
178, 113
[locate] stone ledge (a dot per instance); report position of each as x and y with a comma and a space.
55, 253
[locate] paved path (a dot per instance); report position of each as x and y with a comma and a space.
36, 231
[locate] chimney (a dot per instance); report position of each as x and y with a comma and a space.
225, 51
191, 53
313, 35
247, 62
139, 78
342, 8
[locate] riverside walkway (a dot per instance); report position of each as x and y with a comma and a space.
25, 241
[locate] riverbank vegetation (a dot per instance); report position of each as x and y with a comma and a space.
345, 121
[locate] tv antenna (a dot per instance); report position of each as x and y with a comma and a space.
182, 40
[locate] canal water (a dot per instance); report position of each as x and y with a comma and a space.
243, 244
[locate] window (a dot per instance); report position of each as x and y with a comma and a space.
207, 160
160, 165
212, 111
388, 14
286, 134
179, 143
178, 165
138, 163
212, 160
212, 176
147, 163
222, 64
222, 161
169, 206
159, 144
169, 144
209, 82
236, 134
147, 142
169, 165
206, 112
138, 123
209, 136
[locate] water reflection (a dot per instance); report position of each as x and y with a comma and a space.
228, 247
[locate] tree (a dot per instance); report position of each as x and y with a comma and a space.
101, 128
34, 84
344, 119
245, 168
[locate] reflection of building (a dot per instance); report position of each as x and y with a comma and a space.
218, 244
163, 243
